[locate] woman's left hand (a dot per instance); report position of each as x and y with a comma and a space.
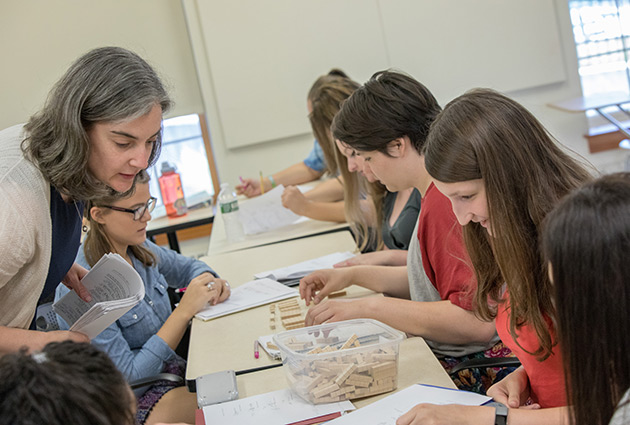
220, 288
294, 199
449, 414
73, 281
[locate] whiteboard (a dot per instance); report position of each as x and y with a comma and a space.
263, 56
454, 45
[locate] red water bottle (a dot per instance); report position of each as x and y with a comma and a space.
172, 191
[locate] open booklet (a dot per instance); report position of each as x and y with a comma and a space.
249, 295
115, 288
387, 410
291, 275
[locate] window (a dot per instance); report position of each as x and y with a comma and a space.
601, 29
186, 145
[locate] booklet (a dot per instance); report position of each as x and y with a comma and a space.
248, 295
387, 410
297, 271
265, 212
115, 287
277, 407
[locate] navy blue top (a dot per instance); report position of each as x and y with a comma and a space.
66, 237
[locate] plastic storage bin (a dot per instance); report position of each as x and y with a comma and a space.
341, 360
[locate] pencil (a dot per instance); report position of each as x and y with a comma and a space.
262, 184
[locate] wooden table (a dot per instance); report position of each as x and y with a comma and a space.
170, 225
228, 342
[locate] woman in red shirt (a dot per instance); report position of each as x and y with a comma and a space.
503, 173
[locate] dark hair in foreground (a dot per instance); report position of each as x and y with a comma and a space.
587, 242
107, 84
486, 135
388, 106
66, 383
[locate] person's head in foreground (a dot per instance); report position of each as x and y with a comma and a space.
66, 383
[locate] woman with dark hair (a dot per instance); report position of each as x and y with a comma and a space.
379, 219
386, 123
586, 242
64, 383
99, 128
503, 174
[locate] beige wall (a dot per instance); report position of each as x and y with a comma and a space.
41, 38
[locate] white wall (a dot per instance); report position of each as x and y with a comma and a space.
41, 38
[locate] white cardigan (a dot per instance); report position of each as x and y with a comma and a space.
25, 232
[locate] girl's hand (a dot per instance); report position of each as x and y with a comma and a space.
449, 414
203, 290
294, 199
513, 390
248, 187
336, 310
317, 285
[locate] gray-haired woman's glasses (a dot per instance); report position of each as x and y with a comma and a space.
137, 212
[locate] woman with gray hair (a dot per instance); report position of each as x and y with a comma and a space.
100, 127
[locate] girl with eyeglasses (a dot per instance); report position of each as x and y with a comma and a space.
142, 343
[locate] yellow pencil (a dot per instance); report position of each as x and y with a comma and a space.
262, 184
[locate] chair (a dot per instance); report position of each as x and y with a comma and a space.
485, 362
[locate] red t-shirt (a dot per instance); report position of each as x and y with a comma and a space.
444, 256
546, 378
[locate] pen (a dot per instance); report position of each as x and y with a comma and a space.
262, 185
256, 355
181, 290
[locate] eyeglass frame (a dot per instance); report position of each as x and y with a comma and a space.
137, 212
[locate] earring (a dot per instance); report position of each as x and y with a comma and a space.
84, 228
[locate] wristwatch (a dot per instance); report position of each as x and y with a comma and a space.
500, 414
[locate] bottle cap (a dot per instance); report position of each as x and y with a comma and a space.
167, 167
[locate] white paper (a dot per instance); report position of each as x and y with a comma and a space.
299, 270
265, 212
387, 410
115, 288
277, 407
248, 295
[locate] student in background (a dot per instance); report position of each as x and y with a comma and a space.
64, 383
586, 243
100, 127
322, 100
386, 122
142, 343
503, 174
365, 201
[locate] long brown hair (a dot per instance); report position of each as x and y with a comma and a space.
485, 135
97, 242
586, 241
326, 95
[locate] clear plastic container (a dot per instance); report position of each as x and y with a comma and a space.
341, 360
228, 205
